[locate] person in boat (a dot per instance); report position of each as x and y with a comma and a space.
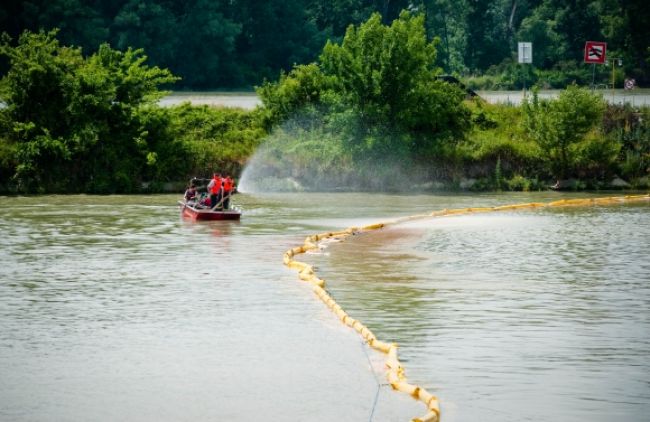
228, 188
190, 194
204, 200
215, 187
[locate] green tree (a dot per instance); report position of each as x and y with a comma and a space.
80, 22
541, 30
206, 51
488, 35
559, 125
376, 101
145, 24
387, 74
275, 35
304, 86
334, 16
447, 20
76, 123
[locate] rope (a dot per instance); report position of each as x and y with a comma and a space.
374, 403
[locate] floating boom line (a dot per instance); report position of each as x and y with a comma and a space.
395, 373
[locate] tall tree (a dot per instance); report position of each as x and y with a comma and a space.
145, 24
276, 34
637, 34
238, 43
387, 73
208, 36
577, 21
80, 23
334, 16
540, 28
446, 19
488, 40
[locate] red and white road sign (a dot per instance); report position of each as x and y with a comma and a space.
595, 52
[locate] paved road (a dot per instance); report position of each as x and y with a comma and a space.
246, 100
636, 97
249, 100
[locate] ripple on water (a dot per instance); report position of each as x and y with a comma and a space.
532, 315
113, 307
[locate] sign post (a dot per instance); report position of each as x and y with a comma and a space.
595, 53
525, 55
615, 61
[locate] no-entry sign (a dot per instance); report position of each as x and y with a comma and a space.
595, 52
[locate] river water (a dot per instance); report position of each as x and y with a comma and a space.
113, 308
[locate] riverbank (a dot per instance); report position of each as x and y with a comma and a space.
230, 134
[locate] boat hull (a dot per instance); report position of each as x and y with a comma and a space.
197, 214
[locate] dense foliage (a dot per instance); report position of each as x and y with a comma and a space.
368, 112
371, 113
75, 124
75, 121
239, 43
559, 125
576, 139
352, 121
386, 73
214, 138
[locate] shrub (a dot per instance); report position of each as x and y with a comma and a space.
88, 132
519, 183
558, 125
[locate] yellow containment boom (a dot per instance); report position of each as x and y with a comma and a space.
394, 369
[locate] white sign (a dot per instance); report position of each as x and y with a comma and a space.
525, 52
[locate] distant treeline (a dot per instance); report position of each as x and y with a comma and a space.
234, 44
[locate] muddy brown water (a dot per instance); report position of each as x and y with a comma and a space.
113, 308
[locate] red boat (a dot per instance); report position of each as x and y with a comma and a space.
191, 210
